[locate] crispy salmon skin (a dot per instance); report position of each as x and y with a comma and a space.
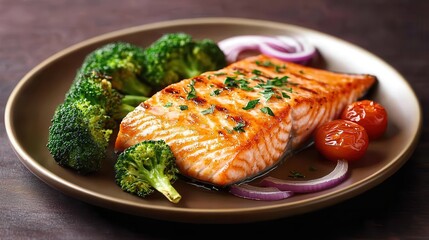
230, 125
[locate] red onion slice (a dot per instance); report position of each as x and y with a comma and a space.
338, 175
282, 47
253, 41
259, 193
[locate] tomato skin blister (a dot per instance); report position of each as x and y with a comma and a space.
341, 140
369, 114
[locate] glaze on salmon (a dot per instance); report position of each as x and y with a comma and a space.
230, 125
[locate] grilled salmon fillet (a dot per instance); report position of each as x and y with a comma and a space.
230, 125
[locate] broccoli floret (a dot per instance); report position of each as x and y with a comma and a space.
81, 126
146, 166
176, 56
98, 89
124, 63
105, 89
79, 136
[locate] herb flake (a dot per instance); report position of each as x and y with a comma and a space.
257, 72
239, 127
192, 93
215, 92
268, 111
251, 104
208, 110
295, 174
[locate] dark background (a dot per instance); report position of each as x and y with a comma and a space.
395, 30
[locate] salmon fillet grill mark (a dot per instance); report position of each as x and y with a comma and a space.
230, 125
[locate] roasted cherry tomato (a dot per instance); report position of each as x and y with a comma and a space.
341, 139
369, 114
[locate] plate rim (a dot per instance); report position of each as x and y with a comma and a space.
212, 215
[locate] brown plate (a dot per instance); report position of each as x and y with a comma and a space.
33, 101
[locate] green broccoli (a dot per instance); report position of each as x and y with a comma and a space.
146, 166
81, 126
124, 63
79, 135
111, 82
176, 56
98, 89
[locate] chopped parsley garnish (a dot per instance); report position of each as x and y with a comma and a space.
244, 84
256, 72
278, 82
251, 104
268, 87
238, 72
285, 95
267, 93
280, 69
266, 63
183, 107
215, 92
209, 110
239, 127
230, 82
246, 88
295, 174
267, 110
192, 93
169, 104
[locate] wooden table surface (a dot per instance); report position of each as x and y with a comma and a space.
395, 30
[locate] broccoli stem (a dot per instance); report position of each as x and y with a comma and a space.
132, 86
191, 70
187, 69
123, 111
162, 183
133, 100
128, 104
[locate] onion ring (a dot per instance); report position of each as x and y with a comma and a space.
285, 48
259, 193
334, 178
271, 189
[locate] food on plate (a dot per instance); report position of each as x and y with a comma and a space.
146, 166
286, 48
231, 125
253, 192
271, 188
82, 125
369, 114
79, 136
341, 139
176, 56
123, 63
106, 87
335, 177
112, 80
211, 123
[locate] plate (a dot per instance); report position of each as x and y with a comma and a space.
32, 103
